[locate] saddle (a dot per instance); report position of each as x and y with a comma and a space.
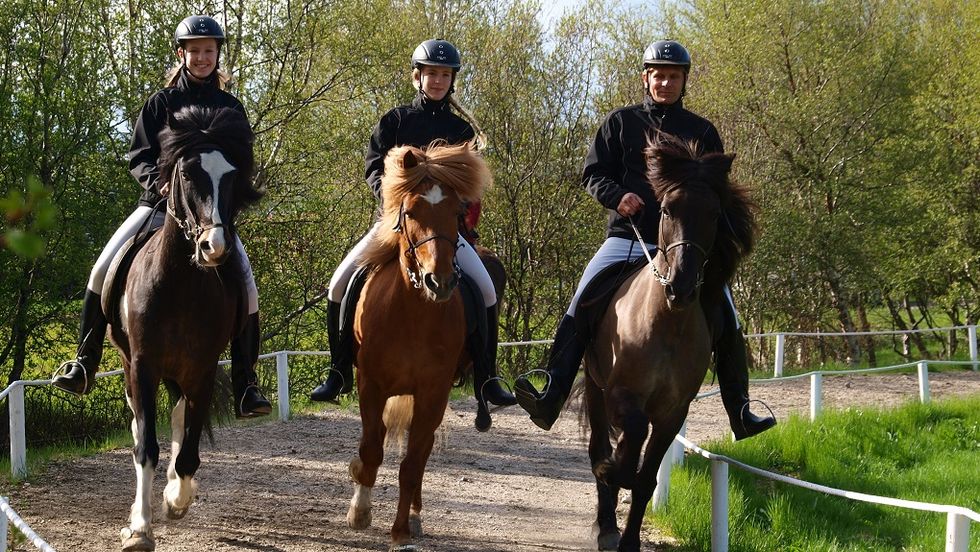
473, 305
598, 294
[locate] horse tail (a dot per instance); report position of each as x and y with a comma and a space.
397, 418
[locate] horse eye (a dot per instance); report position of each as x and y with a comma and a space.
665, 212
408, 215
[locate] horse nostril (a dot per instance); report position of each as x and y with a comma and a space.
206, 246
430, 281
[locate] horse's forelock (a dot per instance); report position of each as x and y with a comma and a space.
225, 128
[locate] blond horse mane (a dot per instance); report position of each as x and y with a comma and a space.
413, 171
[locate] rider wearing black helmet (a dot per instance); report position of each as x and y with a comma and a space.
615, 174
435, 64
194, 81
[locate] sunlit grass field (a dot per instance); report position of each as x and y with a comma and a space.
928, 453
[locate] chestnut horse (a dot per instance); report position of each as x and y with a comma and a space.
653, 345
183, 300
410, 327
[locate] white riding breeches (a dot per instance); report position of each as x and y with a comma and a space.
614, 250
466, 257
131, 226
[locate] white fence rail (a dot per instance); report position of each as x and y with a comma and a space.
10, 516
957, 517
958, 523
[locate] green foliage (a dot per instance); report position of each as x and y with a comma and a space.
27, 215
918, 452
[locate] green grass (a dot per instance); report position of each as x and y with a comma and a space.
927, 453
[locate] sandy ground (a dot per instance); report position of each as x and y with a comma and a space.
277, 486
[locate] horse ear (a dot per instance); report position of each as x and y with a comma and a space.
726, 162
171, 120
409, 159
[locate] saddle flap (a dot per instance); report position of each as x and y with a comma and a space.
599, 292
115, 277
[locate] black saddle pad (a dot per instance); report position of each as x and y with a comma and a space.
595, 299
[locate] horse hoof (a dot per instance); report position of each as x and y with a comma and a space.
483, 422
175, 513
404, 548
415, 525
358, 519
133, 541
608, 541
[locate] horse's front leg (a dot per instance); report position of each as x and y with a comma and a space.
627, 414
646, 480
428, 410
187, 422
141, 397
600, 451
364, 466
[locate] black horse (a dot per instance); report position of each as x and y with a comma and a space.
183, 299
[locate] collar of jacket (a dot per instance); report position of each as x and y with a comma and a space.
186, 84
430, 106
661, 109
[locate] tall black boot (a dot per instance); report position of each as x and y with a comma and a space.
340, 378
249, 401
733, 378
563, 363
78, 376
485, 376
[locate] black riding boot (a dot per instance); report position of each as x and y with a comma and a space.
485, 373
563, 363
340, 378
78, 376
249, 401
733, 379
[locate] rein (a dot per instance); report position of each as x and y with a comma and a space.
664, 279
415, 274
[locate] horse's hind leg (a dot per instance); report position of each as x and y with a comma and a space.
141, 397
364, 466
599, 453
646, 480
186, 422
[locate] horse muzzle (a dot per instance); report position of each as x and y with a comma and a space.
211, 248
680, 297
440, 288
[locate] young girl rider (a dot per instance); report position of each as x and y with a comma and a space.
195, 80
435, 64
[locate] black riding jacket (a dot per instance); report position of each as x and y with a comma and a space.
616, 163
145, 147
416, 125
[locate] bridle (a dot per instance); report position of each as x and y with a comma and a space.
191, 228
414, 269
664, 279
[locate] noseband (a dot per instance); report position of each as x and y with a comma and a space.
414, 270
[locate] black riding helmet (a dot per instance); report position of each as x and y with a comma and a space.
198, 26
667, 52
436, 52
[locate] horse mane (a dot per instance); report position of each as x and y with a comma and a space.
411, 171
674, 162
226, 129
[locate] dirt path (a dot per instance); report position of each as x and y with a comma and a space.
281, 487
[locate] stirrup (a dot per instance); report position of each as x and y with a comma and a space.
63, 370
482, 396
741, 418
241, 403
547, 385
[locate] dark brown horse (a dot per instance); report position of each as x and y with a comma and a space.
410, 326
653, 345
183, 300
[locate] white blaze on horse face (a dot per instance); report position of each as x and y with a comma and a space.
215, 164
434, 195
